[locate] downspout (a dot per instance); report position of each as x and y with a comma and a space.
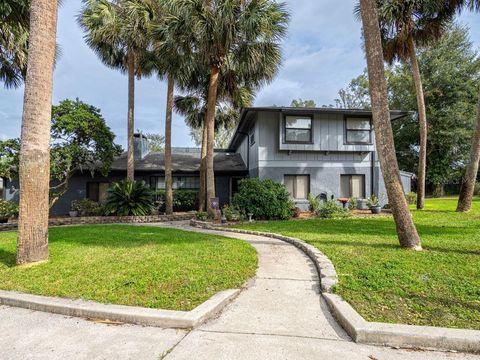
372, 174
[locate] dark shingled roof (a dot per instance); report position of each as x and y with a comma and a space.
183, 162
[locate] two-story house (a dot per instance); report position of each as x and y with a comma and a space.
323, 151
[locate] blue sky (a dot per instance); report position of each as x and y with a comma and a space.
321, 54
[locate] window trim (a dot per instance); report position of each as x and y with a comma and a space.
295, 185
345, 130
87, 192
284, 128
364, 187
154, 181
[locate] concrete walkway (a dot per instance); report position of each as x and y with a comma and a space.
281, 315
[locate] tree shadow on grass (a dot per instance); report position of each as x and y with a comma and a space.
7, 258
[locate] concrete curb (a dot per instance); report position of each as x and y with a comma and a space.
360, 330
122, 313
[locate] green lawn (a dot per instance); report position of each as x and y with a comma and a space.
439, 286
131, 265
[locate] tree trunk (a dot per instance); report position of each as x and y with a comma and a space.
468, 185
439, 190
210, 123
34, 167
203, 180
406, 231
422, 123
131, 114
168, 149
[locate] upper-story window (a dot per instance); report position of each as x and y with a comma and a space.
298, 129
358, 131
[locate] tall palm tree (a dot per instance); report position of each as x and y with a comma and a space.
14, 24
117, 30
470, 178
404, 25
34, 168
407, 233
230, 31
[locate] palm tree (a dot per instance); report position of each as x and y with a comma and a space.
229, 31
468, 185
34, 168
404, 25
117, 30
407, 233
14, 24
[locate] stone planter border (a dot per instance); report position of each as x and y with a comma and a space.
360, 330
84, 220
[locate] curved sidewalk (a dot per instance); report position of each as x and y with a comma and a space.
281, 315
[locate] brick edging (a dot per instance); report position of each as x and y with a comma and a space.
85, 220
359, 329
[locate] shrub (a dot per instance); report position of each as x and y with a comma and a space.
183, 200
332, 210
201, 215
233, 214
411, 197
476, 190
352, 203
87, 207
313, 203
129, 198
265, 199
8, 209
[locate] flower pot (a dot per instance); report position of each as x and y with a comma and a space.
376, 209
362, 204
73, 213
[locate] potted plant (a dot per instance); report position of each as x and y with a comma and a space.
374, 203
74, 209
362, 204
8, 209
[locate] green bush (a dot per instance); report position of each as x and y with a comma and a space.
233, 214
411, 197
332, 210
265, 199
201, 215
129, 198
313, 203
183, 200
8, 209
476, 190
87, 207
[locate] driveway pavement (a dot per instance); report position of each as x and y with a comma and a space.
281, 315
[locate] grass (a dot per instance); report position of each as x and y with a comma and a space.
439, 286
131, 265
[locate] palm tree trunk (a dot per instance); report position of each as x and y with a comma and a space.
468, 185
168, 148
34, 167
203, 179
130, 118
210, 123
423, 126
406, 231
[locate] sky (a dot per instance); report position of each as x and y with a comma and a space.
321, 54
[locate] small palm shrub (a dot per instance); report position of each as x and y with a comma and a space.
314, 203
265, 199
332, 210
129, 198
233, 214
352, 203
8, 209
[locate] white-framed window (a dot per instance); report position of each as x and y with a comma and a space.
298, 129
178, 182
297, 185
352, 186
358, 130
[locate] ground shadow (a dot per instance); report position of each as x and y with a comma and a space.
7, 258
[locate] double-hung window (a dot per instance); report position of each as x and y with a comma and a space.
298, 129
297, 185
358, 130
352, 186
97, 191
